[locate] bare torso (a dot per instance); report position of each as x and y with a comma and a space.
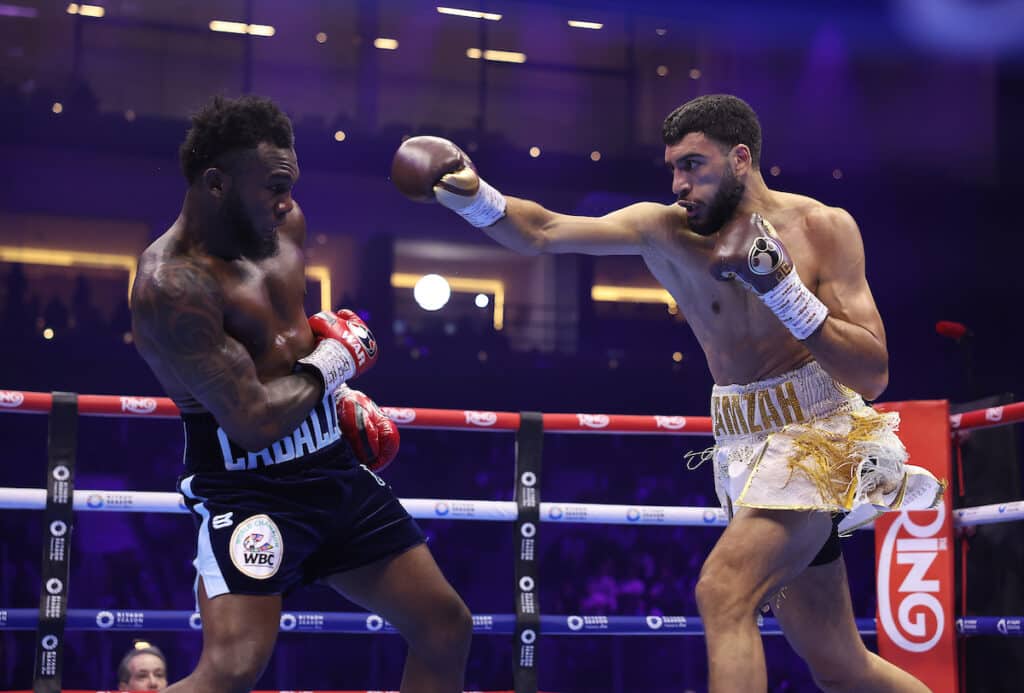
742, 340
260, 305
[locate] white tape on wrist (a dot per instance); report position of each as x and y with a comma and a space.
794, 304
487, 207
333, 361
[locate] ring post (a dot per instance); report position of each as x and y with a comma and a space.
914, 555
58, 521
529, 443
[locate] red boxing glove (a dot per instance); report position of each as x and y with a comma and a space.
346, 347
373, 436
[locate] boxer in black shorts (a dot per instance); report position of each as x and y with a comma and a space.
280, 496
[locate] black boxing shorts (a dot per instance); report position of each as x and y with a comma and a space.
300, 510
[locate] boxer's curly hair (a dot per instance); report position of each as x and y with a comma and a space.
225, 125
722, 117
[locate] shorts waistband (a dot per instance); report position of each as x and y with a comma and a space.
752, 411
208, 448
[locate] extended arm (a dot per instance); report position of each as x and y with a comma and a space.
428, 168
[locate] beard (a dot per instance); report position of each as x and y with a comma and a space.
722, 206
249, 241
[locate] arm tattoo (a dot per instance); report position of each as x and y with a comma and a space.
180, 309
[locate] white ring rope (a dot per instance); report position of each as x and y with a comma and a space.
493, 511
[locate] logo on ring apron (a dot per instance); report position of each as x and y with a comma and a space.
256, 547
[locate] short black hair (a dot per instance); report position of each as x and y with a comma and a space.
721, 117
225, 125
141, 647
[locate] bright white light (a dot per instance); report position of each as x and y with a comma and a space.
496, 56
85, 10
431, 292
228, 27
482, 300
261, 30
242, 28
580, 24
385, 44
472, 14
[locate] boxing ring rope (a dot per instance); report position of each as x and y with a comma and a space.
456, 509
25, 402
478, 510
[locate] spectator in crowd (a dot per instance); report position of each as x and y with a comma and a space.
143, 668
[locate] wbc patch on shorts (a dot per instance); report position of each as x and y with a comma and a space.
257, 547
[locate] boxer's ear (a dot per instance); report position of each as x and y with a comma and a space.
216, 182
741, 159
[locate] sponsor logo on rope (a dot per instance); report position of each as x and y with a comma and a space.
711, 516
593, 420
655, 622
374, 623
111, 500
288, 621
578, 623
908, 608
1008, 625
138, 405
11, 398
121, 619
481, 418
555, 512
483, 623
402, 415
304, 621
647, 514
994, 414
50, 642
256, 547
195, 621
441, 509
672, 423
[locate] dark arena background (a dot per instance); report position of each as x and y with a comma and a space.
907, 113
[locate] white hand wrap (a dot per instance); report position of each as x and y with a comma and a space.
333, 361
487, 207
794, 304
